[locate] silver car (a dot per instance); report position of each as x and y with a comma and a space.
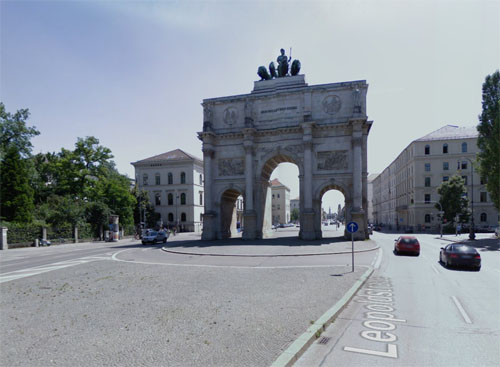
154, 236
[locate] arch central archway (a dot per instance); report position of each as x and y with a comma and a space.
321, 129
265, 218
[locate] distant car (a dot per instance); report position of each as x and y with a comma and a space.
154, 236
377, 228
460, 255
407, 244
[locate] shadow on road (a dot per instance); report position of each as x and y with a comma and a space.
484, 244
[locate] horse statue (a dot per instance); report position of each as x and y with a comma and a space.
295, 67
262, 72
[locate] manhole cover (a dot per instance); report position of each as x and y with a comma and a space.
324, 340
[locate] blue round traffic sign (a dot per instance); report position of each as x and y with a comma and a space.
352, 227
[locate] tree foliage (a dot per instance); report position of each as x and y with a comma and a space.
489, 136
453, 199
16, 194
294, 215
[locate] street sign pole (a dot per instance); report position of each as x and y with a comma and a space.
352, 250
352, 227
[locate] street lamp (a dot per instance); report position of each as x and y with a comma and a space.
472, 235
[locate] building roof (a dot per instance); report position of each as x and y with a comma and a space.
173, 155
449, 132
277, 183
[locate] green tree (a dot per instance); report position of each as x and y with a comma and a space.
488, 139
113, 189
16, 194
61, 211
453, 199
294, 216
144, 208
97, 215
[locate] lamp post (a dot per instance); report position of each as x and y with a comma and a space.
472, 235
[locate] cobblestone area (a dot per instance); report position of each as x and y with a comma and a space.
125, 314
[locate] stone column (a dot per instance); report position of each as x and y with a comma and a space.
357, 213
356, 174
250, 216
209, 222
307, 226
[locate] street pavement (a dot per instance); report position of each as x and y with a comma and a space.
247, 303
415, 312
128, 304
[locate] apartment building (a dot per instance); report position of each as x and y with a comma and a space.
280, 202
405, 193
174, 182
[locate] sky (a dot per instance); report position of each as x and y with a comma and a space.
133, 73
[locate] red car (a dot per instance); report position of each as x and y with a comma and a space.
407, 244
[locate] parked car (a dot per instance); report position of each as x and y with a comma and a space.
407, 244
154, 236
460, 255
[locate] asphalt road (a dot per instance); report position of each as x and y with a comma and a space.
413, 311
125, 304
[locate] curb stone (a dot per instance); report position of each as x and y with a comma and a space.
299, 346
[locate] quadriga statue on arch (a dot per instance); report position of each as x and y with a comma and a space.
283, 67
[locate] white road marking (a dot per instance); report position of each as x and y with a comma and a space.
18, 274
461, 309
435, 270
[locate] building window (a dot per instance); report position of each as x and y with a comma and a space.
170, 199
278, 196
201, 198
483, 217
427, 150
170, 178
201, 217
465, 179
427, 182
427, 198
183, 217
183, 177
170, 217
145, 179
183, 199
427, 218
427, 167
445, 178
445, 148
157, 199
201, 179
464, 147
464, 165
157, 179
446, 166
483, 180
483, 197
278, 207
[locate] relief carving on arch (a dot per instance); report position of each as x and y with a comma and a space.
231, 167
332, 160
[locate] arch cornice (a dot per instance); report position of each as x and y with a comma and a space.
293, 157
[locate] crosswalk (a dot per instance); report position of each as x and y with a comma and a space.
23, 273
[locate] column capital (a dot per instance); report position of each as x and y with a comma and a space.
208, 152
357, 140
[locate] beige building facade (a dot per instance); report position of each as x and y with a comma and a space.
174, 182
280, 202
405, 193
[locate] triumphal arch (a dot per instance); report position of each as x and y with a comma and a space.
323, 129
